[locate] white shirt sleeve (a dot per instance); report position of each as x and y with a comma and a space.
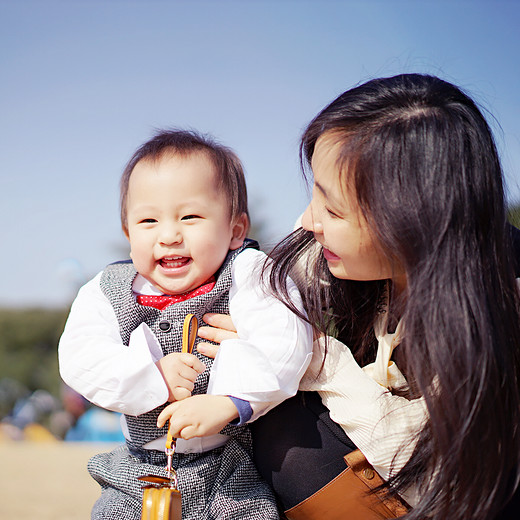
382, 425
264, 366
94, 361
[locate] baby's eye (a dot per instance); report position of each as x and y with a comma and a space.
190, 217
147, 221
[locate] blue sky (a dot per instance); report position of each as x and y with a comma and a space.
83, 83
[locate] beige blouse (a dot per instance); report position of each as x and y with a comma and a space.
382, 425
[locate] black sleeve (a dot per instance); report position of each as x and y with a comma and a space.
298, 449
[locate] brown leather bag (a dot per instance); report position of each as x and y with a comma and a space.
164, 502
349, 496
161, 502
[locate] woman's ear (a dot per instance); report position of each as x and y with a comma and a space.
239, 229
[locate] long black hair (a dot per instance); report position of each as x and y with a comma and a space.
428, 180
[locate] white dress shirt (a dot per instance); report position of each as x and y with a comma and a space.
263, 367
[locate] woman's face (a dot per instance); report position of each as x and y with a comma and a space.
335, 218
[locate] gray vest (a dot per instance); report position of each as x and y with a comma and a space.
116, 284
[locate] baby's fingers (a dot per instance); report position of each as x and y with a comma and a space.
179, 393
193, 362
181, 428
165, 415
187, 433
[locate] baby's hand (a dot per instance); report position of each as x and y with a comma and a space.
179, 372
198, 416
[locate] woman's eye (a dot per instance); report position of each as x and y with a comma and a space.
331, 213
190, 217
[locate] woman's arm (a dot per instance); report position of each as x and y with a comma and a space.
266, 361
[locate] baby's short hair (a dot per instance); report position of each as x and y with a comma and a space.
230, 172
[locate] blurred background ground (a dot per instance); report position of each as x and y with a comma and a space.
47, 431
47, 480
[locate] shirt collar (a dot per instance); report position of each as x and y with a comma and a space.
141, 285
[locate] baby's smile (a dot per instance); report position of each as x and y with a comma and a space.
174, 262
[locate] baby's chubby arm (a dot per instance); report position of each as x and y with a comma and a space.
198, 415
130, 379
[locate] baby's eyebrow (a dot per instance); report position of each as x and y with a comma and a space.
145, 207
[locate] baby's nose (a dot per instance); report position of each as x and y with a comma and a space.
170, 235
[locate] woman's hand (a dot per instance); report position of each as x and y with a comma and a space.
220, 328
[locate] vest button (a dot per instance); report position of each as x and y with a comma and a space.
165, 326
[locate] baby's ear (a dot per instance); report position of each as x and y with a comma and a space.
127, 235
239, 229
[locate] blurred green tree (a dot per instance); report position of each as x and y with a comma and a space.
28, 347
513, 214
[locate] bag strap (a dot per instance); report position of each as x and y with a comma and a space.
189, 333
363, 470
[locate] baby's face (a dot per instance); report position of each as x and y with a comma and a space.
179, 225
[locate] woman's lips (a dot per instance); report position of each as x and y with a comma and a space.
330, 256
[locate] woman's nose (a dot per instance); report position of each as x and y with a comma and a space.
310, 221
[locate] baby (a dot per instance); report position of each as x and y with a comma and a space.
184, 212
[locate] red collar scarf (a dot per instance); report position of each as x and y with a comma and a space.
165, 300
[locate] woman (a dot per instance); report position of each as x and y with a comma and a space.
415, 275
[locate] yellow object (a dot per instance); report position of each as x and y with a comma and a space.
37, 433
170, 441
164, 502
161, 503
189, 333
